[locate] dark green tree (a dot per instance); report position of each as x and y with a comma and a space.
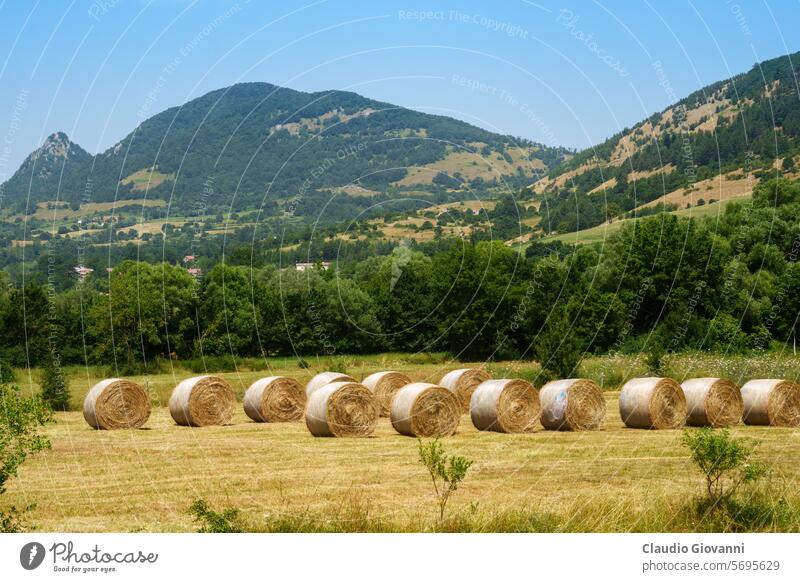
557, 348
229, 319
55, 386
148, 312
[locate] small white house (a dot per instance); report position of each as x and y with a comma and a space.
304, 266
82, 271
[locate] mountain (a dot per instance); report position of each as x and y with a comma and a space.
50, 168
257, 142
706, 147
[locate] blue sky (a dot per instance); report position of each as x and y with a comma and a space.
566, 73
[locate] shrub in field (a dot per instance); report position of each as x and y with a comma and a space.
655, 359
727, 464
765, 510
20, 419
725, 461
210, 521
558, 351
725, 334
55, 388
446, 471
339, 364
7, 375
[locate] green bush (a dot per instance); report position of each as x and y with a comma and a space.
760, 511
339, 364
7, 375
725, 335
210, 521
726, 462
559, 352
55, 388
20, 419
776, 192
447, 472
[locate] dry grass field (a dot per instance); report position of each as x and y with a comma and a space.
602, 232
613, 479
719, 188
63, 212
472, 164
147, 178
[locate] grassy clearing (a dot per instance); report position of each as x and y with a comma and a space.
474, 165
283, 479
147, 178
154, 226
723, 188
461, 206
64, 213
602, 232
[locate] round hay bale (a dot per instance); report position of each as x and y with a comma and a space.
275, 399
342, 409
324, 378
425, 410
116, 403
652, 403
713, 402
507, 405
771, 402
572, 404
202, 401
463, 382
384, 385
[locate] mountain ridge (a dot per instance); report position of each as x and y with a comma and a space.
731, 131
257, 141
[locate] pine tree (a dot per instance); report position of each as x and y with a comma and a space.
55, 389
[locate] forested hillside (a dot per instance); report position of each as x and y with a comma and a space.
730, 284
745, 126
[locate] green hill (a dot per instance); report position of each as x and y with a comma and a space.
257, 143
744, 127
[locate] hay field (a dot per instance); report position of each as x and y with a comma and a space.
144, 480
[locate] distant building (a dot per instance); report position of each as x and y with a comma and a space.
304, 266
195, 272
82, 271
189, 258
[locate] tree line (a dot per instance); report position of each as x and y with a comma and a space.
730, 283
